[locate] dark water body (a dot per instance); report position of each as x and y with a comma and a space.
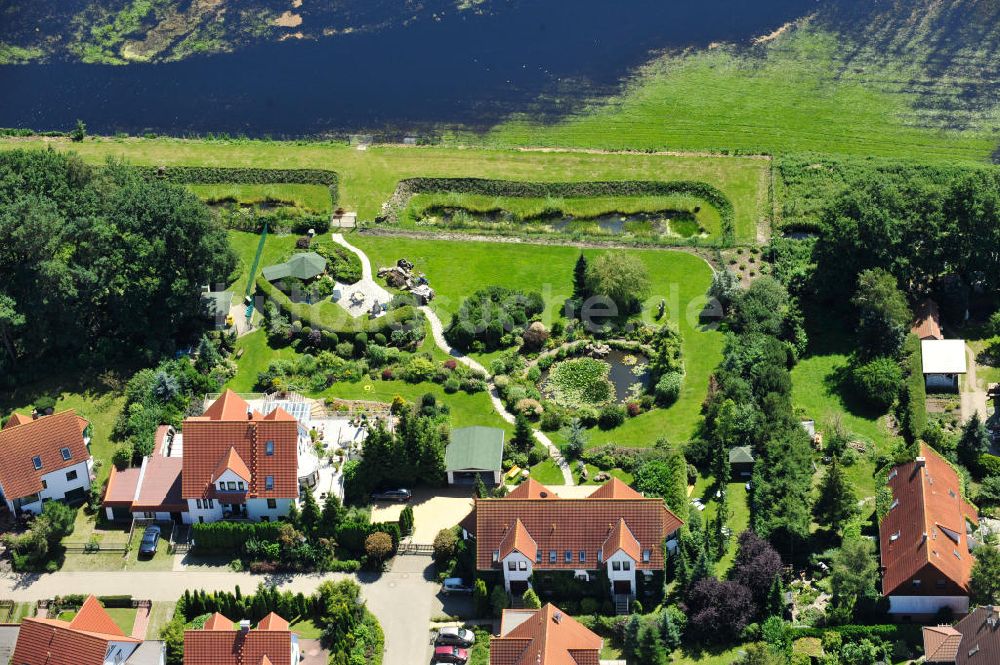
473, 70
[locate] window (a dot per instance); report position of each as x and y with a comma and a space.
645, 556
511, 565
600, 556
269, 482
198, 503
616, 565
568, 556
45, 484
66, 455
892, 474
552, 556
496, 555
210, 503
916, 583
37, 462
148, 515
895, 502
265, 518
522, 565
626, 565
71, 475
538, 556
222, 486
269, 448
272, 503
583, 556
894, 536
940, 584
232, 485
239, 485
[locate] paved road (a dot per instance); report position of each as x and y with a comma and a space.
437, 331
404, 599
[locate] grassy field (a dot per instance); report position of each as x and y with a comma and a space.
455, 269
314, 198
368, 178
547, 473
797, 96
527, 208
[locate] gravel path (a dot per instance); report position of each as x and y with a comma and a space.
369, 288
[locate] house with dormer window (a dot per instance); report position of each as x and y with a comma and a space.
44, 458
925, 547
615, 529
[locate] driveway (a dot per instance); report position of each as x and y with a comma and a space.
973, 392
8, 638
404, 598
433, 510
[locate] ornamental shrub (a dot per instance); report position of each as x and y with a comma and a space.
611, 416
878, 382
668, 388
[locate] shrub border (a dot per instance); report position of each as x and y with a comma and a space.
408, 187
219, 175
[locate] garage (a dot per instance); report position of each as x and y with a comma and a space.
474, 452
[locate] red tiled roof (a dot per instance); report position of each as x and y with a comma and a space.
547, 637
518, 539
615, 489
45, 438
927, 323
572, 525
219, 644
621, 539
922, 528
17, 419
122, 485
531, 489
941, 643
232, 462
226, 425
82, 641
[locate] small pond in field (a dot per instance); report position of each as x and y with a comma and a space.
670, 223
627, 373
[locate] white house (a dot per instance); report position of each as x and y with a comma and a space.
45, 458
615, 529
943, 361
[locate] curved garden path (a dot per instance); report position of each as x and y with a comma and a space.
437, 331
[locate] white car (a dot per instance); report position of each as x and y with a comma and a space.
455, 636
455, 585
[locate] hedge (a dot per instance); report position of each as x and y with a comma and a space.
217, 175
351, 535
394, 318
511, 188
989, 465
889, 632
913, 395
230, 536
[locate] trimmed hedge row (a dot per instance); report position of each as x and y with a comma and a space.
913, 396
217, 175
394, 318
890, 632
230, 536
511, 188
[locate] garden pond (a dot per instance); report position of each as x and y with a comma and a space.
585, 381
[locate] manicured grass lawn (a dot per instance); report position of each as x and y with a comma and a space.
592, 471
368, 178
160, 615
724, 657
314, 198
307, 629
789, 100
87, 396
257, 355
276, 248
456, 269
547, 473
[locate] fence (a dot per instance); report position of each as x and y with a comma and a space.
91, 547
6, 610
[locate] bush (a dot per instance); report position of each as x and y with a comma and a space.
452, 385
878, 382
668, 388
445, 543
231, 536
489, 315
612, 416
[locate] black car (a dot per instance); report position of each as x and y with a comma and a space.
392, 495
150, 540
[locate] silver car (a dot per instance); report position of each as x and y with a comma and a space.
455, 636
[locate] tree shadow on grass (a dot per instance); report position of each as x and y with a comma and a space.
838, 384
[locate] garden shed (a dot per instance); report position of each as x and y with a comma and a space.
472, 452
741, 461
943, 362
304, 266
216, 306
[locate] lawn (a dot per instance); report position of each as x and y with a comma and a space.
802, 95
547, 472
368, 178
160, 615
313, 198
456, 269
307, 629
87, 395
592, 471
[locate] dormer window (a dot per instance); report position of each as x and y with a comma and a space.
496, 555
894, 537
568, 556
583, 556
231, 485
895, 502
269, 482
66, 454
646, 555
552, 556
269, 448
538, 556
36, 461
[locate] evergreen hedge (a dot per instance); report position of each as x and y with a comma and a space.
521, 189
913, 395
230, 536
217, 175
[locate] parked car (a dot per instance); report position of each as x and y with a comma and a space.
451, 655
455, 636
150, 540
400, 495
455, 585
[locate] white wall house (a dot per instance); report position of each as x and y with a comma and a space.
944, 362
68, 483
927, 605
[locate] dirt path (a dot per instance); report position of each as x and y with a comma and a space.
973, 391
437, 330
